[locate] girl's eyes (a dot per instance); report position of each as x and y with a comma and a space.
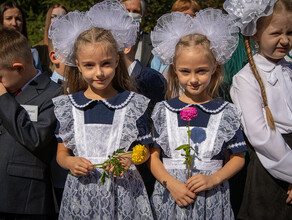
202, 71
88, 65
106, 64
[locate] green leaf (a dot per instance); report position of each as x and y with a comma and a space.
185, 146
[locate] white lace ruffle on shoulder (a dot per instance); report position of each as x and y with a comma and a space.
160, 125
136, 108
229, 124
63, 113
247, 12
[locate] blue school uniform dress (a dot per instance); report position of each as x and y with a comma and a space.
94, 130
215, 130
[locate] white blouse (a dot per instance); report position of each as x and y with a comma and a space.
271, 148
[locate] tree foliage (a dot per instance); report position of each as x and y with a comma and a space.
35, 11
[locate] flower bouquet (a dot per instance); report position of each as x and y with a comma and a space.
138, 155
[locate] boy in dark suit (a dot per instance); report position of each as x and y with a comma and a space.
27, 124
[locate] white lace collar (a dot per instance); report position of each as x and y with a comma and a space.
214, 106
120, 100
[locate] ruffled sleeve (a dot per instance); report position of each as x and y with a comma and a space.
65, 129
237, 143
230, 132
136, 125
160, 128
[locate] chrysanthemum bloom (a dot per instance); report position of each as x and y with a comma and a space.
188, 113
139, 153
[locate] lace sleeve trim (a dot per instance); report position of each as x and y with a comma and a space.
160, 125
137, 106
63, 112
229, 124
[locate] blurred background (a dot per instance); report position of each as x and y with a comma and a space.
35, 12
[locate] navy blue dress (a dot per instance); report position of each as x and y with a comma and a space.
215, 130
93, 129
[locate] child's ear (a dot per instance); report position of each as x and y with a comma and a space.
127, 50
19, 67
78, 66
173, 67
214, 67
53, 58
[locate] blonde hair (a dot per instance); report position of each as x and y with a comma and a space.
14, 46
74, 79
183, 5
173, 86
262, 23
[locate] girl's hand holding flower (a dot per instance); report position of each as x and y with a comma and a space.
120, 161
79, 166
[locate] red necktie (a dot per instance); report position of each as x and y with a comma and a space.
18, 92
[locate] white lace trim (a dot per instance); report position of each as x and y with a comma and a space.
63, 112
213, 111
200, 105
175, 109
77, 105
122, 105
236, 145
104, 101
144, 137
229, 124
135, 110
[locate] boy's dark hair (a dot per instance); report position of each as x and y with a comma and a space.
14, 47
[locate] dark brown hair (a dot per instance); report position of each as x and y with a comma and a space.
192, 41
12, 4
75, 81
262, 23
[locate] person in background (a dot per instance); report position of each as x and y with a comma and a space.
12, 16
58, 173
137, 9
27, 125
54, 11
189, 7
151, 84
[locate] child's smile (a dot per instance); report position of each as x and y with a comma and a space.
97, 65
194, 70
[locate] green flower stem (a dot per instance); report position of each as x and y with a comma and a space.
189, 150
101, 165
114, 162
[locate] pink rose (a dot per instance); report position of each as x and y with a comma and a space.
188, 113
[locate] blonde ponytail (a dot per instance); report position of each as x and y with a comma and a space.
269, 115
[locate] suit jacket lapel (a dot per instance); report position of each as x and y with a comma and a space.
33, 89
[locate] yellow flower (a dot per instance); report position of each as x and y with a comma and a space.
139, 153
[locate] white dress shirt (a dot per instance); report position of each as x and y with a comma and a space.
271, 148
